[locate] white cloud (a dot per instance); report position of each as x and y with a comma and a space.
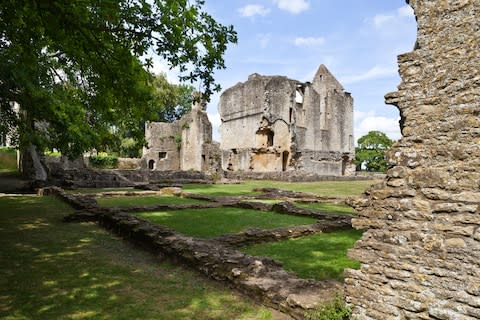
406, 11
368, 121
264, 39
309, 41
393, 18
293, 6
251, 10
380, 20
373, 73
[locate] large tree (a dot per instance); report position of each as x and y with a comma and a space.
78, 67
169, 103
172, 100
371, 149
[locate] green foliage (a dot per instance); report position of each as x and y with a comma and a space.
320, 256
217, 221
178, 141
371, 151
75, 66
171, 101
10, 150
129, 148
56, 270
51, 153
333, 310
103, 161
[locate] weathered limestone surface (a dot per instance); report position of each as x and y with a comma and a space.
421, 254
185, 144
275, 124
103, 178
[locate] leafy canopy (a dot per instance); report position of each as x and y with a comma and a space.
78, 68
371, 151
169, 103
175, 99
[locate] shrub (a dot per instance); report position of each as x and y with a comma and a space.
103, 161
333, 310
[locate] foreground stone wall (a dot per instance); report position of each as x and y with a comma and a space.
421, 254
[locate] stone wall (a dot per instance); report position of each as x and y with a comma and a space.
275, 124
185, 144
421, 254
293, 176
104, 178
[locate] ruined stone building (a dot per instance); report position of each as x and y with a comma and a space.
273, 123
185, 144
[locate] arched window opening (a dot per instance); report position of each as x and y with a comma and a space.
151, 164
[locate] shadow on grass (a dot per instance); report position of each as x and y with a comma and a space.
54, 270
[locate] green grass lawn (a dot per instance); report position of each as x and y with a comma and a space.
131, 201
320, 256
328, 207
54, 270
100, 190
8, 159
207, 223
323, 188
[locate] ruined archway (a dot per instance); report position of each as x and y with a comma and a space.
421, 254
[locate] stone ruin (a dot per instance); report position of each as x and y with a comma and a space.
421, 254
186, 144
269, 124
222, 258
275, 124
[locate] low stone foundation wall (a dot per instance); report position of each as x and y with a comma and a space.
104, 178
291, 176
261, 278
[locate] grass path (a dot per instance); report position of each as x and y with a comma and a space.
53, 270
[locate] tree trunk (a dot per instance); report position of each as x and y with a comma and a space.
31, 165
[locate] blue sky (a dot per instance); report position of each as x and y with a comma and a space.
358, 41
